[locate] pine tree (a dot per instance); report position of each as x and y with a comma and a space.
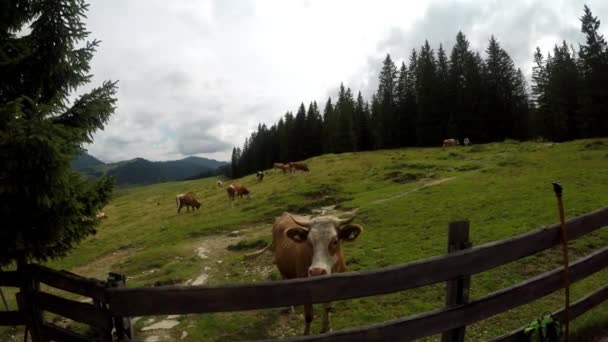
299, 134
344, 112
314, 131
411, 99
499, 83
385, 119
594, 90
47, 208
363, 132
428, 124
442, 91
401, 113
465, 89
330, 127
522, 119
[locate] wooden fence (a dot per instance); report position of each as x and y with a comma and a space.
112, 301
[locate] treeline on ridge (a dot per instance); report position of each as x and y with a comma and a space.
435, 96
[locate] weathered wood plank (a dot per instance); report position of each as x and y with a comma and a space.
434, 322
10, 279
54, 333
457, 290
70, 282
198, 299
576, 309
12, 318
80, 312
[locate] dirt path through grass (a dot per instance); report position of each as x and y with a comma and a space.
426, 185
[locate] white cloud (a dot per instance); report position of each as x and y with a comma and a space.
196, 77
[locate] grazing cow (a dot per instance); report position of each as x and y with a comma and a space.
450, 142
467, 142
280, 166
220, 184
187, 200
231, 191
298, 166
237, 190
309, 248
241, 191
260, 176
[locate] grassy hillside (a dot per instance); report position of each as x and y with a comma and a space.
406, 198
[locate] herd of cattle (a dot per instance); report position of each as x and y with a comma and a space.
235, 190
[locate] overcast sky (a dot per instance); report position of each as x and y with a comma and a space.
197, 76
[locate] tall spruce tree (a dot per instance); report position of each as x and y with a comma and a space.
465, 92
330, 127
299, 134
443, 103
385, 118
313, 132
363, 134
411, 100
499, 82
400, 122
47, 208
344, 112
428, 124
594, 90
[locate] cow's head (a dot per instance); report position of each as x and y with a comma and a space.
197, 204
324, 234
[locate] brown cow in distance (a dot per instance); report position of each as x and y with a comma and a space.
236, 190
450, 142
281, 166
187, 200
298, 166
309, 248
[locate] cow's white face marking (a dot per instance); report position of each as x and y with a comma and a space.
323, 237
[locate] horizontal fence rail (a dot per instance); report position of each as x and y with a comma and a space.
80, 312
434, 322
198, 299
70, 282
576, 309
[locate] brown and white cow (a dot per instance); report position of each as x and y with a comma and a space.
309, 248
281, 166
298, 166
186, 200
237, 190
220, 184
450, 142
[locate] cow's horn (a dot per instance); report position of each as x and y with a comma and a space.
303, 223
341, 222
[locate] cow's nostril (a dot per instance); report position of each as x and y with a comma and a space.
313, 272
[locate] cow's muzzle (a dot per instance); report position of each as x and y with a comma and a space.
316, 271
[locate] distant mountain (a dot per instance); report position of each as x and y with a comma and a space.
85, 161
140, 171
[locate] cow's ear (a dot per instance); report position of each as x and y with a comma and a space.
297, 234
350, 232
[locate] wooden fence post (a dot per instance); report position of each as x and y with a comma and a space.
25, 300
124, 330
457, 290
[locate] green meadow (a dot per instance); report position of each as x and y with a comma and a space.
405, 200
